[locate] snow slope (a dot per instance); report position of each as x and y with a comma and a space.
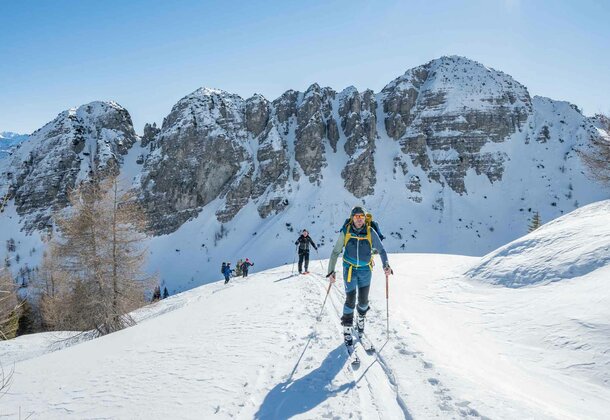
252, 349
572, 245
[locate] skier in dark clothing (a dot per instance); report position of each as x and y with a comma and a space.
227, 271
245, 266
303, 243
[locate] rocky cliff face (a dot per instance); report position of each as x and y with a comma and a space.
444, 113
450, 146
79, 142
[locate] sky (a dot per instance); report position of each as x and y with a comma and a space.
146, 55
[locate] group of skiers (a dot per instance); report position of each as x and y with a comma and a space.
241, 269
359, 239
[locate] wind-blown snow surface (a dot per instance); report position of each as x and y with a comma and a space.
572, 245
253, 349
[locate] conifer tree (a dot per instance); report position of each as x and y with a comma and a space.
535, 222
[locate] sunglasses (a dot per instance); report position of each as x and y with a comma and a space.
359, 216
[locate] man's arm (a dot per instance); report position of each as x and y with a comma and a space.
312, 243
332, 262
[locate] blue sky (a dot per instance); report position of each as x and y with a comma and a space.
146, 55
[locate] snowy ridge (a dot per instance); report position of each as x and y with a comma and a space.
464, 83
457, 348
61, 154
570, 246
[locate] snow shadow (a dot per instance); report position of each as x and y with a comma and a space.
291, 398
286, 278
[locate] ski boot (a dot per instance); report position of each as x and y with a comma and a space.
360, 324
364, 340
348, 338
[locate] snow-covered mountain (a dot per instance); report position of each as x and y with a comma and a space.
451, 157
70, 148
458, 347
9, 140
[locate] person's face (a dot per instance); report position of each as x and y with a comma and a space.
358, 220
305, 233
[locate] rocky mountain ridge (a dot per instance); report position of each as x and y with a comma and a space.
452, 156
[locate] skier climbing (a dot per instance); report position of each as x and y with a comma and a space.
245, 266
238, 272
357, 239
303, 243
227, 271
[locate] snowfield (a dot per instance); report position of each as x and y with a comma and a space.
458, 347
570, 246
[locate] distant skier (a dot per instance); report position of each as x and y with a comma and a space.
245, 266
227, 272
238, 272
357, 240
303, 243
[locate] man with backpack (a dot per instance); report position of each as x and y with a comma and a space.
303, 242
227, 271
245, 266
357, 239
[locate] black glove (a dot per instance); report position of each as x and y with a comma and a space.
387, 267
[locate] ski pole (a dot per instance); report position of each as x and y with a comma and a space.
324, 303
387, 305
296, 250
318, 255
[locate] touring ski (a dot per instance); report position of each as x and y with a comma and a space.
352, 356
367, 344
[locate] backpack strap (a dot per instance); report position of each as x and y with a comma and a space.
349, 236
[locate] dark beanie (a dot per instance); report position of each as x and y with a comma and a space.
357, 210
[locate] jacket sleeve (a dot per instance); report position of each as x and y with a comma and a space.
311, 242
332, 262
379, 247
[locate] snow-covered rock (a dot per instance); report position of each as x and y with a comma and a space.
80, 141
570, 246
10, 140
